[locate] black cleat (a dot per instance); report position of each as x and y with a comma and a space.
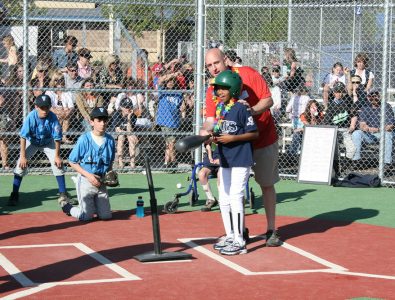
14, 199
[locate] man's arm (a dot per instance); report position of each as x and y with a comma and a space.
353, 123
58, 160
229, 138
23, 160
365, 127
261, 106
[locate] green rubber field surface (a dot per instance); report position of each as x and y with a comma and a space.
375, 206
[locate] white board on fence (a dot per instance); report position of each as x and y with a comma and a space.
316, 158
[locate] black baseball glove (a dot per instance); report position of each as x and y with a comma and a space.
111, 179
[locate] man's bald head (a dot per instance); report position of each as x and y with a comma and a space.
215, 61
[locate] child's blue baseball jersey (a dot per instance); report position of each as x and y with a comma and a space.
237, 154
93, 158
41, 132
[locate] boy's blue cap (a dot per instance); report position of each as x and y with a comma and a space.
43, 100
99, 112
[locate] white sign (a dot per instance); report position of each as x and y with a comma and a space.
316, 159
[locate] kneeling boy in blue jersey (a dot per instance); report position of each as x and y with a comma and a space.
234, 129
40, 131
92, 158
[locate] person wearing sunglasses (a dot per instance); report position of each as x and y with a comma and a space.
66, 54
71, 77
359, 95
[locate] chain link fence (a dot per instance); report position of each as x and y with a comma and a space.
141, 60
126, 57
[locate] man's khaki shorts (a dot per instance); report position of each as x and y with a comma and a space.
266, 165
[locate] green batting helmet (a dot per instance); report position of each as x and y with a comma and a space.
231, 80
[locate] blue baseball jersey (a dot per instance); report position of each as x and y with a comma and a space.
93, 158
237, 154
169, 114
41, 132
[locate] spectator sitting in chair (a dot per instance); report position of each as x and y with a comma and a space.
123, 122
359, 95
71, 77
369, 127
62, 56
296, 106
61, 105
341, 112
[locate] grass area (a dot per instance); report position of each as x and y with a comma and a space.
366, 205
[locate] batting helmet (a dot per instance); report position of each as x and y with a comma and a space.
231, 80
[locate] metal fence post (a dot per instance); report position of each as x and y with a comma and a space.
25, 59
199, 86
384, 88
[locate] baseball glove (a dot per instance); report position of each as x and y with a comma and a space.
111, 179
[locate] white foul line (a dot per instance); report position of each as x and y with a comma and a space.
15, 272
29, 292
332, 268
245, 271
217, 257
38, 287
313, 257
106, 262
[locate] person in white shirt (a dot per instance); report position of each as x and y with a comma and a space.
62, 105
337, 75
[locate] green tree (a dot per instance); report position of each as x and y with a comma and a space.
139, 17
15, 8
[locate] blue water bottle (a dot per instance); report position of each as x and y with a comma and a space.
140, 207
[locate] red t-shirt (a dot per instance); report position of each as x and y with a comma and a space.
254, 89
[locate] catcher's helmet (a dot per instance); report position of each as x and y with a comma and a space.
231, 80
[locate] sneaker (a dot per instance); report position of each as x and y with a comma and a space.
272, 239
210, 204
64, 197
234, 249
14, 199
223, 242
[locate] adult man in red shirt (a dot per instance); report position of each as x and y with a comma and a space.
257, 95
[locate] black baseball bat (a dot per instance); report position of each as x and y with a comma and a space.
191, 142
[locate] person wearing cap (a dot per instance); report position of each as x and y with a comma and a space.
342, 112
92, 158
42, 132
123, 121
369, 127
84, 68
61, 57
